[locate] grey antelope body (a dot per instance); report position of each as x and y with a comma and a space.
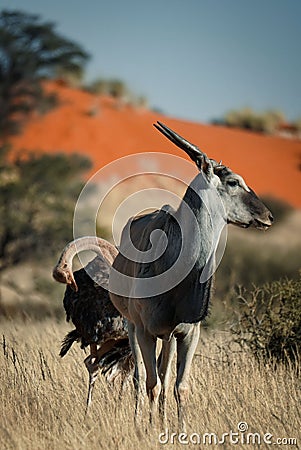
161, 278
172, 307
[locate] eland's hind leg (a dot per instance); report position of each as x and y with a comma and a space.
139, 372
147, 344
164, 368
186, 346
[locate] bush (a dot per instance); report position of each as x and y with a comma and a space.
269, 323
113, 87
247, 119
38, 193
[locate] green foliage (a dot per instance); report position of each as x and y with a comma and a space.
270, 321
99, 86
117, 89
29, 50
246, 118
113, 87
37, 199
72, 77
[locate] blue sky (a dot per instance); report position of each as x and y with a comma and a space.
193, 59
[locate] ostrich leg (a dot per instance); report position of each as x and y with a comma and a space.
92, 364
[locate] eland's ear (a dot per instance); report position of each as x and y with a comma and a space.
198, 157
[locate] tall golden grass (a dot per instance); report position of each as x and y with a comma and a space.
43, 398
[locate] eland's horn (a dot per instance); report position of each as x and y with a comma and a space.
192, 150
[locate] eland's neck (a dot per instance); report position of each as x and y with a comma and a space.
202, 219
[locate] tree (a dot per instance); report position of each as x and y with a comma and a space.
37, 200
29, 50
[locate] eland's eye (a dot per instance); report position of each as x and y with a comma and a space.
233, 183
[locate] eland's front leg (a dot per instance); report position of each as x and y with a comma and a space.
186, 346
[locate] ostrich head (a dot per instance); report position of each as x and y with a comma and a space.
63, 274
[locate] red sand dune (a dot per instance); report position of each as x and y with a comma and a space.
98, 128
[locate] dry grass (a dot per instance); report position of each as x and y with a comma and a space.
43, 397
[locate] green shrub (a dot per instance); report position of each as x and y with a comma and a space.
269, 322
247, 119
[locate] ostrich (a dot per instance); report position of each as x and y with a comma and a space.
97, 322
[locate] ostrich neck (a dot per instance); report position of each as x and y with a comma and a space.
90, 243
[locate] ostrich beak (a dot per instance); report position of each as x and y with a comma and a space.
65, 276
71, 281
